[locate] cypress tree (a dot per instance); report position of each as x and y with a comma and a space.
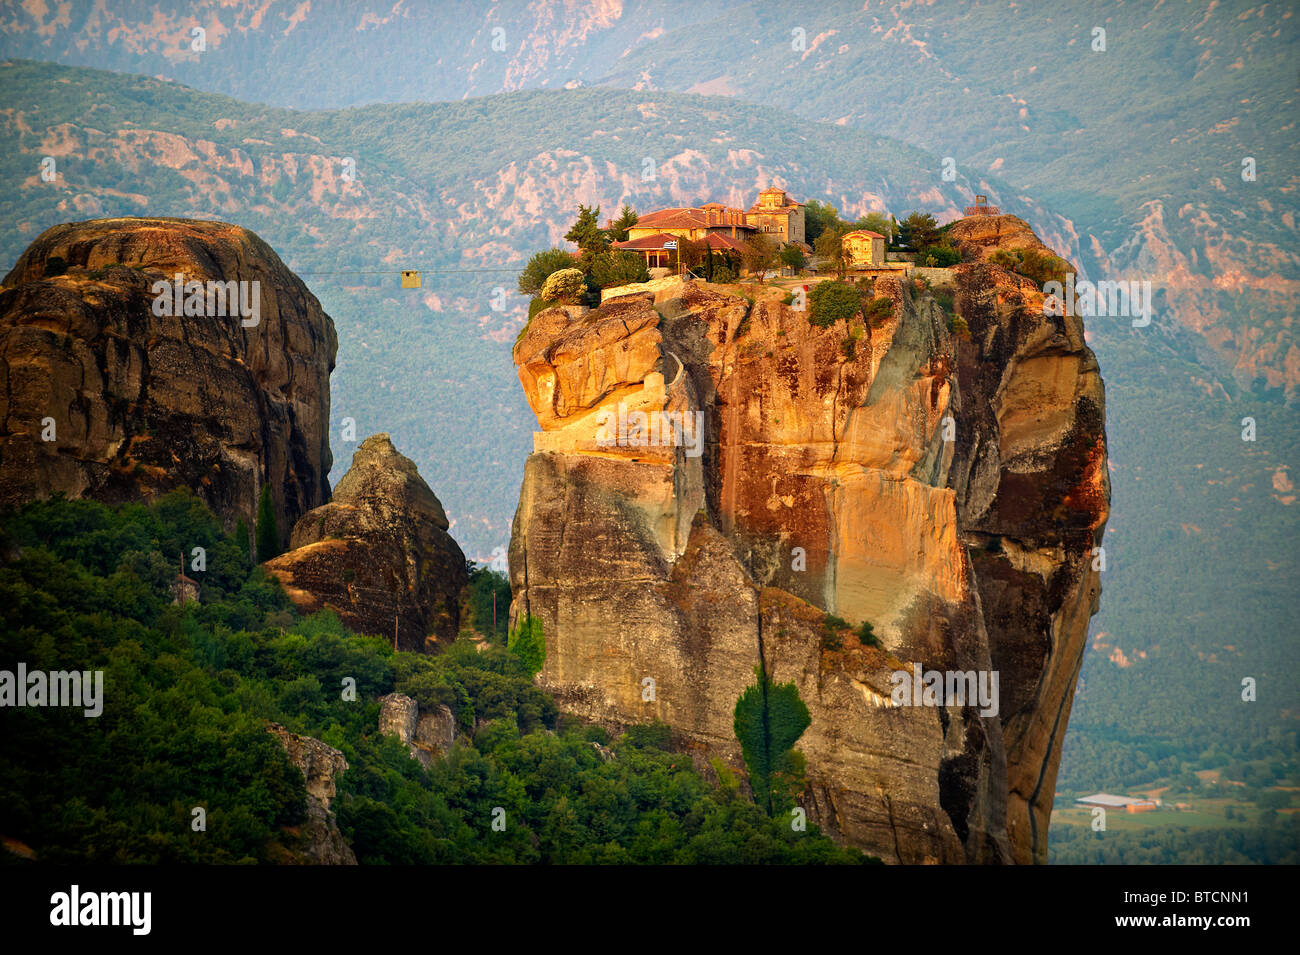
268, 534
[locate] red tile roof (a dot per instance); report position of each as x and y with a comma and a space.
712, 215
672, 219
648, 243
721, 243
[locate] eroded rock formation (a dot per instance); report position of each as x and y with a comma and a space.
426, 735
101, 397
947, 488
321, 764
378, 554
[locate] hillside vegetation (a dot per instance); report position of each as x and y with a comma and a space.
188, 692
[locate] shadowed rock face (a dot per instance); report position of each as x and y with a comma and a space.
825, 484
141, 403
379, 553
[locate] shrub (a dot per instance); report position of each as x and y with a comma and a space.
957, 325
539, 304
654, 735
830, 302
1006, 259
849, 346
867, 635
528, 644
877, 309
723, 275
567, 286
541, 267
939, 256
618, 267
743, 328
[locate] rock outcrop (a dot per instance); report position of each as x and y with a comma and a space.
101, 396
322, 843
378, 554
947, 489
978, 237
426, 735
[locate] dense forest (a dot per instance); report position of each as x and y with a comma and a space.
189, 690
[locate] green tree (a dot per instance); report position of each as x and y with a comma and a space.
760, 254
830, 248
242, 539
268, 533
528, 643
693, 254
877, 222
918, 230
819, 216
769, 719
541, 266
587, 235
618, 267
627, 218
793, 257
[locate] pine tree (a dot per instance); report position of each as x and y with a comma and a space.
268, 533
627, 218
587, 235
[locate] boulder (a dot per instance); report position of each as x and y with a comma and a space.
103, 397
379, 554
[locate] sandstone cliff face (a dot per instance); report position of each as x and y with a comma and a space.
320, 764
824, 483
137, 404
379, 553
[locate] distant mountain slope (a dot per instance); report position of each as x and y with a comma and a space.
314, 56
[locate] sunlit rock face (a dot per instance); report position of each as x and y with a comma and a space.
105, 397
946, 486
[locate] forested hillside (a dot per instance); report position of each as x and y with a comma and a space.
188, 693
